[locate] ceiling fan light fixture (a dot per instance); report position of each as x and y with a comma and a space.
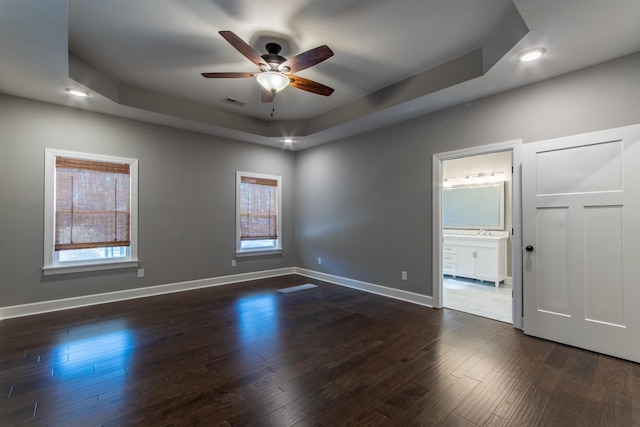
273, 81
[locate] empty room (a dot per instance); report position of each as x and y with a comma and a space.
231, 213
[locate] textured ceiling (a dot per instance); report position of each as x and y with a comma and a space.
393, 59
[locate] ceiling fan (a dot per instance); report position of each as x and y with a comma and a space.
276, 72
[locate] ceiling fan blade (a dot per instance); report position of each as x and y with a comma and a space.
250, 53
267, 96
310, 86
307, 59
229, 75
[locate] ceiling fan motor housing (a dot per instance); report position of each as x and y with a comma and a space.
272, 58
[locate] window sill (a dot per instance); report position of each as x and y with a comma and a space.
84, 267
258, 252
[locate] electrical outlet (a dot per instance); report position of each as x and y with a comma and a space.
233, 263
404, 275
319, 261
141, 272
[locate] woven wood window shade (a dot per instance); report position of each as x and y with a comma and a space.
258, 208
92, 204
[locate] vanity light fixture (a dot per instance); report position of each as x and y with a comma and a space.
531, 54
478, 178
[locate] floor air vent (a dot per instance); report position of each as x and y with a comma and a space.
297, 288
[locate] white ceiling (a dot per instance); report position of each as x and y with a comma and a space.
394, 59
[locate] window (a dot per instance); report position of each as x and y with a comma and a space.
90, 212
258, 220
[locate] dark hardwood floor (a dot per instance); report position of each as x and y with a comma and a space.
246, 354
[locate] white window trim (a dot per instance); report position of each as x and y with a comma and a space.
50, 265
259, 251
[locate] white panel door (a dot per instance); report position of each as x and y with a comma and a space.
581, 232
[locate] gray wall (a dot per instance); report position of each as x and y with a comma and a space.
363, 204
186, 200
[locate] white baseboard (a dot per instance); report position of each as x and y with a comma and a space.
87, 300
83, 301
369, 287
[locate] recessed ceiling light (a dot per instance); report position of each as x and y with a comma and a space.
531, 54
288, 140
77, 92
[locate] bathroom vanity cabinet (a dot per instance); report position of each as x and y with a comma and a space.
475, 257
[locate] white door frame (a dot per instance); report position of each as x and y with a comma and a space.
516, 214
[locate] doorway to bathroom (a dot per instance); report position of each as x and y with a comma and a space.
476, 231
476, 214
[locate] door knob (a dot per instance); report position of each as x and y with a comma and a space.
529, 248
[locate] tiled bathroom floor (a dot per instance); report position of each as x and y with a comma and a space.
479, 298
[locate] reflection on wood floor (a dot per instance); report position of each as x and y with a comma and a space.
246, 354
478, 297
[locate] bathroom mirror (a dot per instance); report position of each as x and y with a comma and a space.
474, 206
